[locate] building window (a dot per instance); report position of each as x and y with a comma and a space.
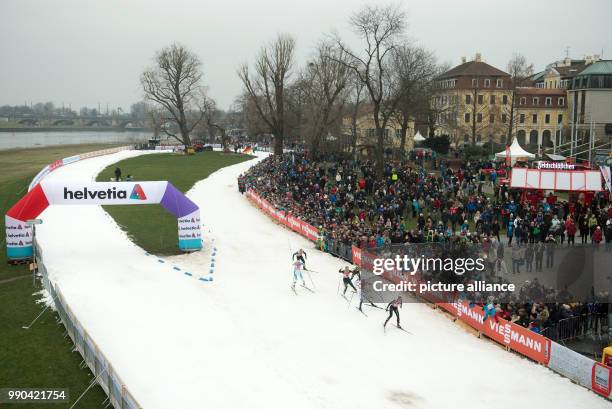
523, 101
479, 118
548, 101
547, 118
534, 118
491, 118
371, 132
499, 83
466, 138
504, 118
559, 118
522, 118
487, 83
504, 99
492, 100
536, 101
478, 138
474, 82
467, 117
560, 101
480, 99
398, 133
468, 99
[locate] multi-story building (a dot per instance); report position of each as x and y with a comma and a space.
366, 132
590, 102
472, 102
560, 74
541, 117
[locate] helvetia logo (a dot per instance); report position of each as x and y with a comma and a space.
110, 193
138, 193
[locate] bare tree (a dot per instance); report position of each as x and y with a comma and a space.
356, 98
415, 68
325, 82
520, 72
175, 84
382, 29
155, 119
267, 85
215, 120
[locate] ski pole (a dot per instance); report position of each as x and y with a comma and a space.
351, 300
310, 277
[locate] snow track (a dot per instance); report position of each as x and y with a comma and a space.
246, 340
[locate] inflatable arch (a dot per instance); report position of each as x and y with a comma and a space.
45, 193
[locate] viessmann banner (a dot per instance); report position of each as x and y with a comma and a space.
295, 224
19, 234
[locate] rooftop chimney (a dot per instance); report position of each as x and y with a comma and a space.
463, 60
478, 57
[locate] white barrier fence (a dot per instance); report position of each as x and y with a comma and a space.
101, 368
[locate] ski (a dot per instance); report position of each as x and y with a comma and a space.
375, 306
361, 311
405, 330
309, 289
293, 289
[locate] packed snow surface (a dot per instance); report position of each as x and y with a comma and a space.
245, 340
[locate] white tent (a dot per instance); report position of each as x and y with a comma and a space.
418, 137
516, 152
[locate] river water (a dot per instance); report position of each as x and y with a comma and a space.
11, 140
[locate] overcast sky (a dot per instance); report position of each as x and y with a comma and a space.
85, 52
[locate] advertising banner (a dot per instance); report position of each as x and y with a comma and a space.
18, 234
571, 364
601, 380
283, 217
555, 179
190, 235
103, 193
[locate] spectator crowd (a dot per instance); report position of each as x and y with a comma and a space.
432, 200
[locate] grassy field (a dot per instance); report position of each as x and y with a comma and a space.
39, 357
151, 227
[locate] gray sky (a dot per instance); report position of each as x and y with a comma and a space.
85, 52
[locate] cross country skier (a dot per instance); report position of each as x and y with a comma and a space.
300, 255
346, 278
297, 273
393, 307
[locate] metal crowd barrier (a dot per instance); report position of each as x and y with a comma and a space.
339, 249
592, 324
118, 395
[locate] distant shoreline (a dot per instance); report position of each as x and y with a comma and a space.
74, 129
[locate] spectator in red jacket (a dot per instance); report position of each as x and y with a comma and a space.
570, 229
597, 235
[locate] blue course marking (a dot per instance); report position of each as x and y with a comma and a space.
147, 254
176, 268
188, 274
159, 260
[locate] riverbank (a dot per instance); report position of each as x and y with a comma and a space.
12, 140
73, 129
